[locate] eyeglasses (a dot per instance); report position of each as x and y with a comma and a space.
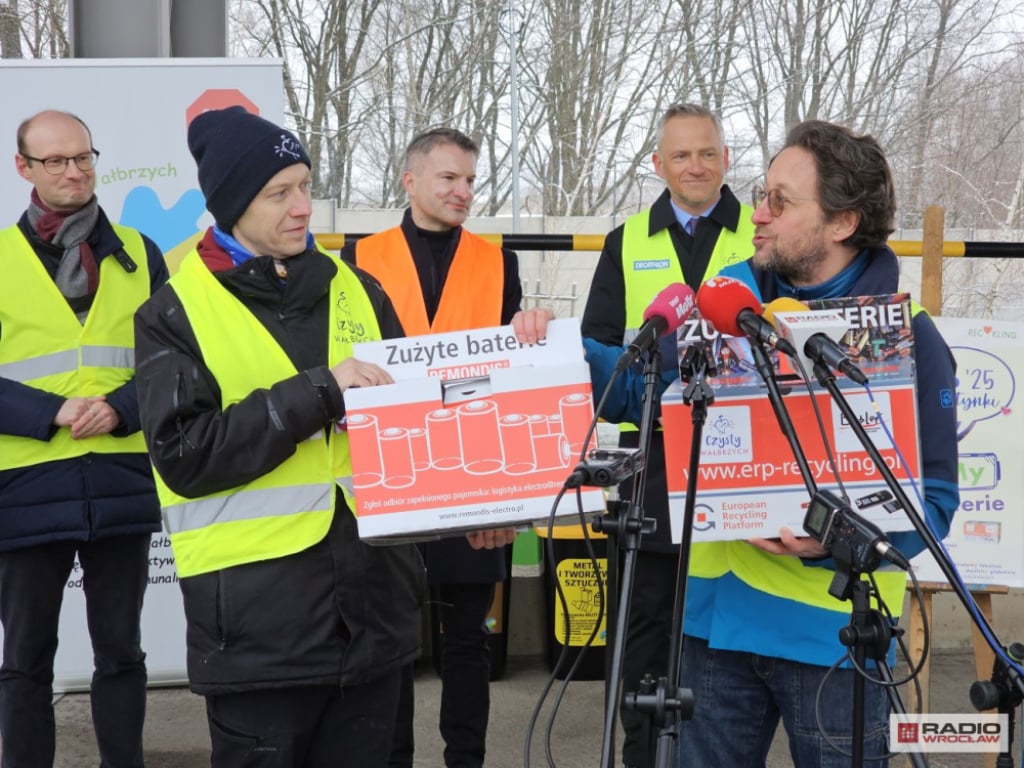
777, 201
57, 165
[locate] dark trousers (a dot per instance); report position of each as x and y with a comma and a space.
647, 644
305, 727
465, 679
114, 575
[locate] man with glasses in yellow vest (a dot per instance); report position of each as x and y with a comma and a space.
443, 278
76, 490
297, 630
696, 227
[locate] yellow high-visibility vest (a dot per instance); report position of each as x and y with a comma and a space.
290, 508
43, 344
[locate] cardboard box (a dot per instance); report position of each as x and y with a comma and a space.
749, 483
477, 431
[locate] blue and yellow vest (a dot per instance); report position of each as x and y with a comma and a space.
752, 582
790, 578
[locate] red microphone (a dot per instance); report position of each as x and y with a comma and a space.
733, 309
664, 315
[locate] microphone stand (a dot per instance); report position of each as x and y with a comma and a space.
664, 701
764, 367
627, 525
1005, 677
866, 629
999, 693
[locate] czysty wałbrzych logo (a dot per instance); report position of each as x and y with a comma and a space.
948, 733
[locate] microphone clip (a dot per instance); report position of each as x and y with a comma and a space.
697, 363
857, 545
607, 467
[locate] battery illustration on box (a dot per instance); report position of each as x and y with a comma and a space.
520, 456
443, 439
983, 530
371, 469
475, 437
480, 437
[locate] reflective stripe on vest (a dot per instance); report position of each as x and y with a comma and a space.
477, 271
289, 508
43, 344
248, 504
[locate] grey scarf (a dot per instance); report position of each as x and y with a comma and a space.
77, 274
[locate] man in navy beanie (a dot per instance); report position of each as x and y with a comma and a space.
296, 631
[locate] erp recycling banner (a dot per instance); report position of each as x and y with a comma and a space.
986, 540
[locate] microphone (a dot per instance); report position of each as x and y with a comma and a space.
811, 332
733, 309
666, 312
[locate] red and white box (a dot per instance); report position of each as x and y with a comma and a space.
749, 483
477, 431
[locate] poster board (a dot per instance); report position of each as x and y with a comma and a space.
986, 539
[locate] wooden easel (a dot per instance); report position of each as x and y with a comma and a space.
931, 300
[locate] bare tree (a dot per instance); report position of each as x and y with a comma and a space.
321, 44
10, 30
437, 66
595, 76
35, 29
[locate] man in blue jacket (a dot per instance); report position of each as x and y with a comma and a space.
761, 637
75, 482
762, 647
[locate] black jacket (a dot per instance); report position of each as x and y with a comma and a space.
340, 612
92, 496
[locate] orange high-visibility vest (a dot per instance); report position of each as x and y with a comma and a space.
472, 293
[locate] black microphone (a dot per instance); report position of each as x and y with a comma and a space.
666, 313
809, 332
733, 309
822, 349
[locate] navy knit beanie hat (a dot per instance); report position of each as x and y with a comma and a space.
236, 154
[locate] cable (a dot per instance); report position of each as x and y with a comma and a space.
979, 619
